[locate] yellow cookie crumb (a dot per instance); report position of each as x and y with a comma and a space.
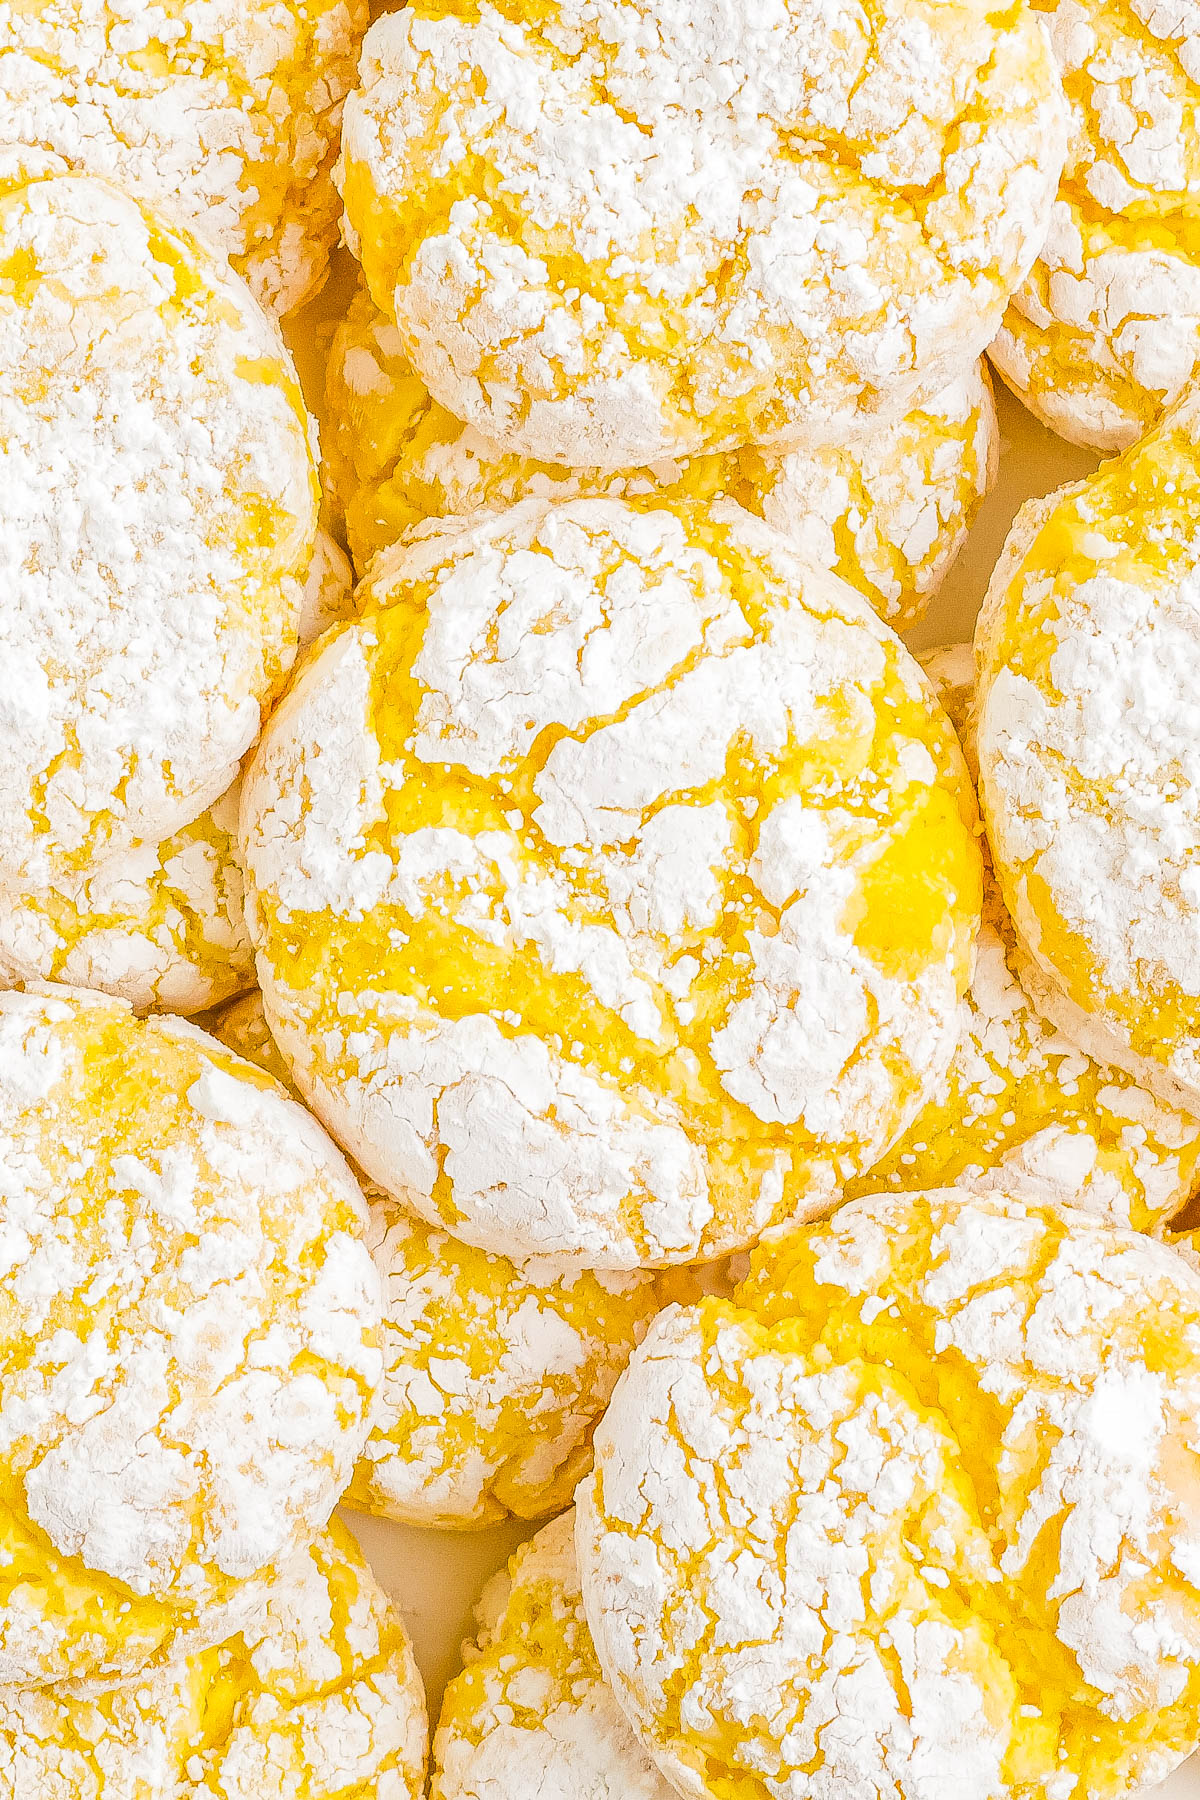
664, 228
189, 1344
531, 1712
494, 1372
1022, 1102
613, 881
226, 115
1088, 649
889, 515
914, 1513
1103, 333
318, 1697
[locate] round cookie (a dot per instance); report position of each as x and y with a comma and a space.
1105, 330
160, 926
189, 1344
158, 510
914, 1513
613, 881
494, 1373
531, 1712
226, 115
1088, 651
318, 1697
661, 227
1022, 1103
888, 515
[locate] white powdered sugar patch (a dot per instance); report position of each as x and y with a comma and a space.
193, 1334
799, 1577
591, 701
157, 512
714, 227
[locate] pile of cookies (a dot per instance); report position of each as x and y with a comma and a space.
521, 997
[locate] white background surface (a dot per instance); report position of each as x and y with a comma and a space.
435, 1577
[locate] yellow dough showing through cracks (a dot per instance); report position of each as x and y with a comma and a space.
1105, 331
1022, 1102
889, 516
161, 926
158, 514
226, 115
612, 233
189, 1336
318, 1699
494, 1373
1088, 649
613, 881
915, 1512
531, 1712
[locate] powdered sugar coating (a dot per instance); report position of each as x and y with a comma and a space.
494, 1373
531, 1712
162, 925
225, 115
1024, 1104
916, 1512
889, 515
612, 231
570, 871
318, 1696
1103, 333
1089, 654
158, 507
190, 1343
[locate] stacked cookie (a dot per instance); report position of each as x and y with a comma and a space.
662, 1089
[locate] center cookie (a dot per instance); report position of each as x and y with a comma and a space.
613, 881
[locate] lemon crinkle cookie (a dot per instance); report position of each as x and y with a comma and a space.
494, 1372
613, 881
1022, 1102
160, 925
888, 514
158, 511
614, 233
190, 1343
225, 115
1089, 655
531, 1712
914, 1511
1104, 332
318, 1696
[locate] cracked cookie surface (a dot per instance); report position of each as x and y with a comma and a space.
613, 881
889, 515
318, 1696
916, 1507
189, 1346
1103, 333
614, 232
1089, 655
160, 926
494, 1372
1022, 1101
531, 1712
158, 512
226, 115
